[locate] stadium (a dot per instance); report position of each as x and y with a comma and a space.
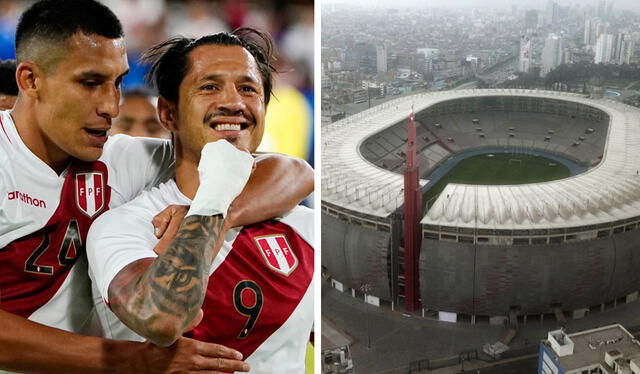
531, 203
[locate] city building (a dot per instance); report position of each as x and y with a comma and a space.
567, 55
360, 96
524, 62
601, 28
325, 81
604, 49
531, 19
374, 89
470, 66
604, 350
593, 28
605, 8
363, 57
430, 54
624, 48
381, 58
589, 31
552, 53
551, 13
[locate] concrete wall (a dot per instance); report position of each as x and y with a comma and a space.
627, 279
446, 279
489, 279
355, 255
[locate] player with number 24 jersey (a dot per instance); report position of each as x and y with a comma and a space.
45, 217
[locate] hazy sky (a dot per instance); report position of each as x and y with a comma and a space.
504, 4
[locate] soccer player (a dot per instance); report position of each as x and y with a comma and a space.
8, 86
256, 293
59, 173
138, 116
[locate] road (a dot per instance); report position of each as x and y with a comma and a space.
528, 365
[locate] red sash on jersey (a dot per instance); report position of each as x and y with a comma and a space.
33, 268
256, 288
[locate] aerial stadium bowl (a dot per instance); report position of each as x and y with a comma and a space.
536, 243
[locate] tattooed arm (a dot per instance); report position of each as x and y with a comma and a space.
158, 298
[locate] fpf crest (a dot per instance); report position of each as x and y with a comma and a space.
277, 253
90, 190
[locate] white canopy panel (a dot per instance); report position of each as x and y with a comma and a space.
605, 193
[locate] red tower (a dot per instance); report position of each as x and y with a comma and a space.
412, 214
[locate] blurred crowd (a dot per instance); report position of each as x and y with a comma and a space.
289, 127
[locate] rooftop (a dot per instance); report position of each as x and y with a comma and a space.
590, 347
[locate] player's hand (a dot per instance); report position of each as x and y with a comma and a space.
223, 171
190, 356
230, 221
166, 225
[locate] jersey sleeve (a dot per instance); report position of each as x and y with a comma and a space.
301, 220
116, 239
136, 164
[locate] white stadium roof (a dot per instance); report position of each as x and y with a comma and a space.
608, 192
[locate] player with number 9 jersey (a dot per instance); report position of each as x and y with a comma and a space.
259, 298
256, 292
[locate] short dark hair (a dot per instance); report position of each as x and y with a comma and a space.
8, 85
54, 21
169, 60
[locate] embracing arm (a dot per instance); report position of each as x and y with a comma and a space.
276, 186
158, 298
30, 347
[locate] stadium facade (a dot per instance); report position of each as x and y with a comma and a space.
568, 245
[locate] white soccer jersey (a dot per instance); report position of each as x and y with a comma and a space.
45, 217
259, 298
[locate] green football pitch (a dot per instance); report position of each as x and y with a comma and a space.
500, 169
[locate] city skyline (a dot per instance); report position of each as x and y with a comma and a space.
506, 251
504, 5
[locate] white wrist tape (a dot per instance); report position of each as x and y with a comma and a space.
223, 170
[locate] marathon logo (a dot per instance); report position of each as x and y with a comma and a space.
25, 198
